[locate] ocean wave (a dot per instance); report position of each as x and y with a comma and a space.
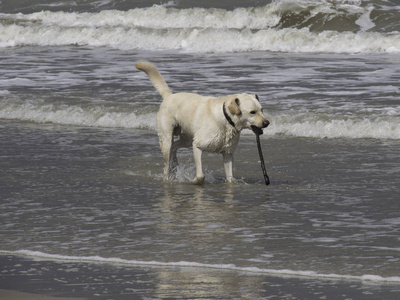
91, 116
383, 126
286, 26
323, 126
317, 15
184, 264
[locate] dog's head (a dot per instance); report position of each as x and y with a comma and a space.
247, 112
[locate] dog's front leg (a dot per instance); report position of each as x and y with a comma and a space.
199, 179
228, 166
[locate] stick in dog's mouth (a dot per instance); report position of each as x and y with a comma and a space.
258, 132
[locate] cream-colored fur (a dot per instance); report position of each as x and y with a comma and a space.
203, 123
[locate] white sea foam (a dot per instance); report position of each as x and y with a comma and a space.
365, 21
184, 264
310, 125
76, 115
159, 17
202, 40
385, 126
199, 30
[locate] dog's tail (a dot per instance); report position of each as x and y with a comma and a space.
155, 77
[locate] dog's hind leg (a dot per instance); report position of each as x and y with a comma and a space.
167, 129
166, 145
173, 158
175, 145
168, 151
183, 142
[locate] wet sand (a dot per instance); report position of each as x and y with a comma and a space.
15, 295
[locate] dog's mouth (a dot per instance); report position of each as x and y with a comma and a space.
257, 130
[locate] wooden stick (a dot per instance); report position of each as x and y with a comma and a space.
266, 178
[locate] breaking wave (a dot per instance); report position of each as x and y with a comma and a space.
286, 26
89, 116
384, 126
310, 125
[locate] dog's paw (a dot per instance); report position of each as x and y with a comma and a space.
230, 179
198, 180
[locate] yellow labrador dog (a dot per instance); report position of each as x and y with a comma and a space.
206, 123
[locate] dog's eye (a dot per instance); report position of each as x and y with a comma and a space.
253, 112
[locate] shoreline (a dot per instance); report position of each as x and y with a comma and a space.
27, 279
17, 295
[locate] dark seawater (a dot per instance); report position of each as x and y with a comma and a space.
85, 211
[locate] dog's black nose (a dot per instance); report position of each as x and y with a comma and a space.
265, 123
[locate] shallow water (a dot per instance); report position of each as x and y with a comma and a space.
82, 191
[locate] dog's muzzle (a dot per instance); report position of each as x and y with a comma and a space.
259, 130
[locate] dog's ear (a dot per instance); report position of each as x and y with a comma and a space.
234, 106
258, 99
